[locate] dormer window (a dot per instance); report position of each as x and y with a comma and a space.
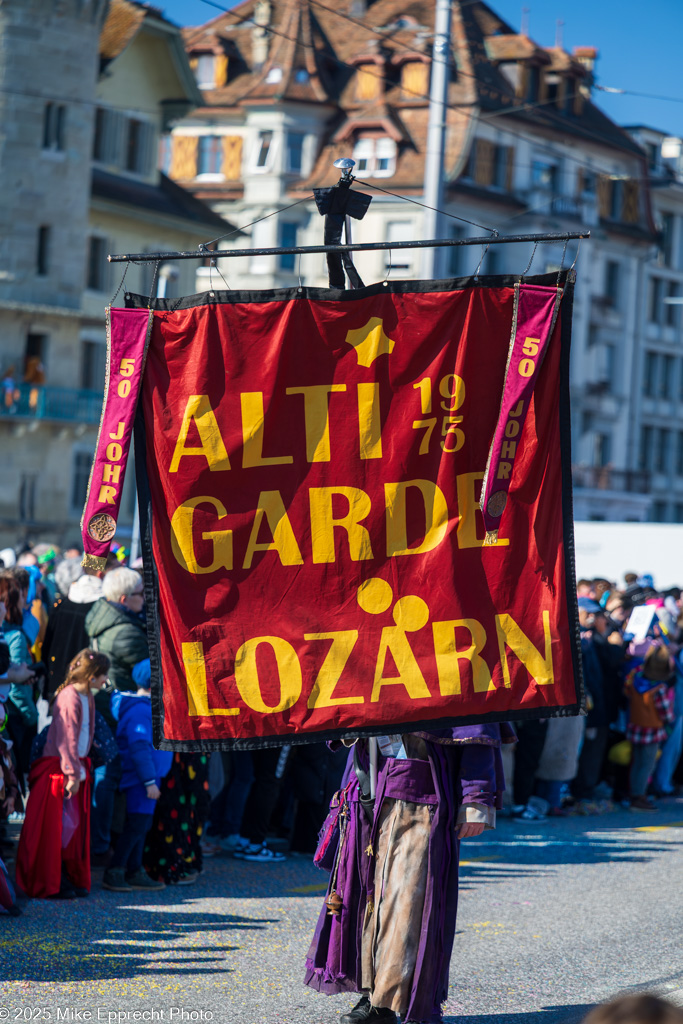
274, 76
301, 76
205, 71
375, 157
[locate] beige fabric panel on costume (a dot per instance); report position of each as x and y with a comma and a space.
391, 933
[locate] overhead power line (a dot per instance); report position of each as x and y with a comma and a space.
459, 108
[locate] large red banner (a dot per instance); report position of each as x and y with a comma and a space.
310, 468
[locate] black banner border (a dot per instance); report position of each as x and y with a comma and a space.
150, 573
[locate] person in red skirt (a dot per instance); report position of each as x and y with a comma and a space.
53, 860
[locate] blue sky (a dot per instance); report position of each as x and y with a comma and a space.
639, 44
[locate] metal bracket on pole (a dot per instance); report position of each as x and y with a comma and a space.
338, 205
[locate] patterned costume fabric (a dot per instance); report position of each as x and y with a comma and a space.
173, 846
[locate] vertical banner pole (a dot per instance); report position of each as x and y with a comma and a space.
436, 134
372, 744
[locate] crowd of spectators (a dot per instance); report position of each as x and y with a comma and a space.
75, 687
626, 751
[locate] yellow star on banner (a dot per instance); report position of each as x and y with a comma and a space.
370, 341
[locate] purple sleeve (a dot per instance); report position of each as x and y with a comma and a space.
481, 775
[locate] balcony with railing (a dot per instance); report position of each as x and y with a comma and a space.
36, 402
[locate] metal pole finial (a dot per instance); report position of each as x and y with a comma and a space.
346, 166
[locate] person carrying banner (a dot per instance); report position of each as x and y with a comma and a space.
387, 927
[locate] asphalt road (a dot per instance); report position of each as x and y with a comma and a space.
553, 918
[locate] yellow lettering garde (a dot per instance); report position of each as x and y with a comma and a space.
182, 542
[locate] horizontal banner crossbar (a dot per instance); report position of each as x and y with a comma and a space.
302, 250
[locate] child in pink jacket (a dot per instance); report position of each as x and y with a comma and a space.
53, 859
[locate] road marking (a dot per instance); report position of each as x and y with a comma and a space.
477, 860
658, 828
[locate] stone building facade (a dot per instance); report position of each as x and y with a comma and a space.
86, 89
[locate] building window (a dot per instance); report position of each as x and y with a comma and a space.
93, 363
206, 71
165, 154
502, 157
288, 239
661, 464
385, 158
658, 512
399, 231
27, 498
645, 454
671, 314
80, 476
374, 158
54, 119
678, 512
612, 283
209, 154
263, 150
34, 357
667, 238
679, 454
602, 451
544, 176
139, 141
616, 199
43, 251
656, 300
666, 377
650, 374
97, 264
295, 152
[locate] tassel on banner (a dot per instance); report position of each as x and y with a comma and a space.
535, 313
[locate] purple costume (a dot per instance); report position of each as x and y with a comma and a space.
406, 930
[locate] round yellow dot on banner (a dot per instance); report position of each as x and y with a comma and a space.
411, 613
375, 596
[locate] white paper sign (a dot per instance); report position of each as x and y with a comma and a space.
640, 621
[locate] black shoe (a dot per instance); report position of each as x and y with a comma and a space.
63, 894
364, 1011
80, 892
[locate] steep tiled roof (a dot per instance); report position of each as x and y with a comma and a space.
120, 27
329, 40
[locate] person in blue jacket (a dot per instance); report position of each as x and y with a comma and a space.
142, 769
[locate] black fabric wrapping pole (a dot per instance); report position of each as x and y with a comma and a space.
335, 204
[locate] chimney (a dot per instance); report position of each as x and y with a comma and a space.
259, 33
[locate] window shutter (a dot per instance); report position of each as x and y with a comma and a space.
232, 157
483, 168
630, 202
148, 139
415, 79
183, 156
510, 170
604, 190
368, 82
221, 70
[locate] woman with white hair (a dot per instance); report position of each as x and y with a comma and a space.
116, 628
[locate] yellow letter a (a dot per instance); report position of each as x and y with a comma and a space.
199, 411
